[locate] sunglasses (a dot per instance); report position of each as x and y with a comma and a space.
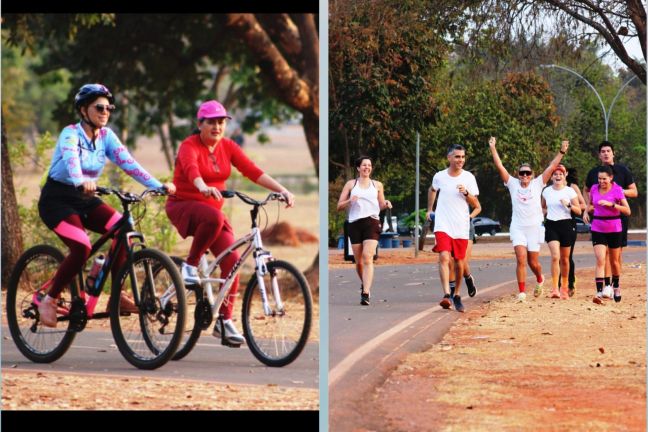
525, 173
101, 107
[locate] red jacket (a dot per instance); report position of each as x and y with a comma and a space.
194, 160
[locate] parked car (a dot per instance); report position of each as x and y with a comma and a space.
485, 225
581, 226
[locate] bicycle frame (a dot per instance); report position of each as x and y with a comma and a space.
261, 257
123, 235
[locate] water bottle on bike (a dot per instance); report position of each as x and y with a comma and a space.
91, 285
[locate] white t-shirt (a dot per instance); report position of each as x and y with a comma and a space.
452, 214
555, 209
527, 208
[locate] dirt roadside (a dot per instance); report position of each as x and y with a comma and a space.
546, 364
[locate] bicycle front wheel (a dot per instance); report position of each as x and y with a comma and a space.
27, 285
278, 335
148, 339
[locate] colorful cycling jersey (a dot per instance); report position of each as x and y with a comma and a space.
77, 160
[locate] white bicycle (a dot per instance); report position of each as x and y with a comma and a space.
277, 304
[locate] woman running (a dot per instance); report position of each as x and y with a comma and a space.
364, 198
572, 182
560, 201
609, 204
526, 229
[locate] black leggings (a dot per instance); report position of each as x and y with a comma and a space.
572, 267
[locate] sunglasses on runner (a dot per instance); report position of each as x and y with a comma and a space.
525, 173
101, 107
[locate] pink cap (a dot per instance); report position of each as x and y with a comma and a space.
562, 168
212, 109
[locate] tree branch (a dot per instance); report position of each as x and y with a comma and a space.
293, 91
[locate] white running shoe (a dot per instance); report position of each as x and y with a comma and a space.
190, 274
608, 292
521, 297
231, 333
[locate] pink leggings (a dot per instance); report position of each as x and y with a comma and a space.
71, 231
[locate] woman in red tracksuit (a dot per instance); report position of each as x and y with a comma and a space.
203, 164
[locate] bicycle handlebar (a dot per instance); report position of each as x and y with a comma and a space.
248, 200
129, 196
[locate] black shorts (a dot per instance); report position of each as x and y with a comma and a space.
364, 229
611, 240
563, 231
624, 232
59, 200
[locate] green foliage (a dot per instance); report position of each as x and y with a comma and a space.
411, 218
161, 68
336, 218
383, 61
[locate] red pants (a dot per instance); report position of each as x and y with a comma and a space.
210, 230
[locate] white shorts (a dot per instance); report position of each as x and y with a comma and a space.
531, 237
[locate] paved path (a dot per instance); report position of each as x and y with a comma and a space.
95, 352
404, 317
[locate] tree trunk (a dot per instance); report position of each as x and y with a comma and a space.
12, 240
296, 91
165, 146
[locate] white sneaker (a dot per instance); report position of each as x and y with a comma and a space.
521, 297
231, 333
608, 292
190, 274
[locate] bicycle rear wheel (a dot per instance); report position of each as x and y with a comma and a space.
150, 338
278, 337
198, 311
33, 270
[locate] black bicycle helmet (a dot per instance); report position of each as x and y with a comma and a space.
89, 92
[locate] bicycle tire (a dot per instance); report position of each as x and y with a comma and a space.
143, 339
38, 343
278, 339
193, 326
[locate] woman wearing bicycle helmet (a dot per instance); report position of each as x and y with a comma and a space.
203, 164
67, 202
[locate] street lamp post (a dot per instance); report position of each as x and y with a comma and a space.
606, 114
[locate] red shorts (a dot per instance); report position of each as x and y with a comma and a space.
445, 243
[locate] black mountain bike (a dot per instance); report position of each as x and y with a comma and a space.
147, 339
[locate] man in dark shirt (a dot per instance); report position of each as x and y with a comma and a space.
622, 177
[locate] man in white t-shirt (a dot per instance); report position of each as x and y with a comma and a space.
457, 191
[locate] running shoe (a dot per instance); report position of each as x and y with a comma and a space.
598, 298
470, 283
521, 297
571, 291
232, 336
608, 292
364, 299
457, 303
617, 294
190, 274
537, 292
445, 302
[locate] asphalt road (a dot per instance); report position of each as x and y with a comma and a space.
95, 352
369, 341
